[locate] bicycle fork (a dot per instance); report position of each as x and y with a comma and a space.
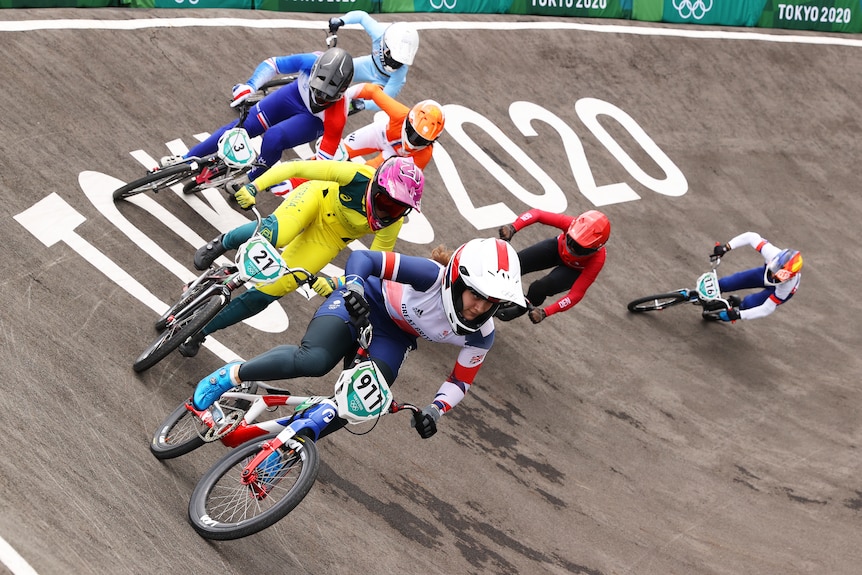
264, 470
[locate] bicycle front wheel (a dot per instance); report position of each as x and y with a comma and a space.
157, 181
222, 507
177, 332
177, 435
657, 302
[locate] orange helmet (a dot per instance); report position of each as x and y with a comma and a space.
423, 125
588, 233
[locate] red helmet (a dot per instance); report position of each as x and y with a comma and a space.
588, 233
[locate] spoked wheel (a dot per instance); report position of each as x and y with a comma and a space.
219, 275
223, 507
181, 432
658, 302
178, 331
177, 435
157, 181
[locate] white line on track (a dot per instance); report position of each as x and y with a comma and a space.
10, 558
632, 29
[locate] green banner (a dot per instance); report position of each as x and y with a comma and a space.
62, 3
239, 4
713, 12
647, 10
822, 15
452, 6
318, 6
579, 8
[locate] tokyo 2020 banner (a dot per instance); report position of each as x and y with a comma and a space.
826, 16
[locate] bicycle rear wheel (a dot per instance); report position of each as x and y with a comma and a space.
176, 333
657, 302
222, 507
157, 181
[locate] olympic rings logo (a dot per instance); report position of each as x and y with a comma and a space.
688, 9
439, 4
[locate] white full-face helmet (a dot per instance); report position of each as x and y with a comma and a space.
399, 46
491, 269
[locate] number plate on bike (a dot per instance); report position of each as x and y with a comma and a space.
234, 147
707, 286
260, 261
361, 393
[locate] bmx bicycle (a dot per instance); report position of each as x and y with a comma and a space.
706, 294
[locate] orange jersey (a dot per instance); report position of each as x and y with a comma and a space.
385, 137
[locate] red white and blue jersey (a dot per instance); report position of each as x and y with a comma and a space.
761, 304
405, 293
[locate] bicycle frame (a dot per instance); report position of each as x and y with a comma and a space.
706, 294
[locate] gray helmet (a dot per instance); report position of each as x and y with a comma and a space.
330, 76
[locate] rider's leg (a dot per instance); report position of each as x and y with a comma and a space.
539, 256
294, 125
207, 254
747, 279
559, 280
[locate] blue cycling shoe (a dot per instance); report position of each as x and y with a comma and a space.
215, 384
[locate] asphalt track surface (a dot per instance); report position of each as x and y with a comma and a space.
594, 443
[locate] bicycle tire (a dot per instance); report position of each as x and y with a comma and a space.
171, 338
157, 181
222, 508
188, 295
657, 302
177, 435
276, 83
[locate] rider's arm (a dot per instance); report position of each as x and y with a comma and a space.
340, 172
769, 305
384, 240
561, 221
396, 81
384, 101
291, 64
470, 359
334, 120
421, 273
761, 304
372, 27
592, 266
423, 156
752, 239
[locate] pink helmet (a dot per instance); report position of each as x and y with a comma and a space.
395, 189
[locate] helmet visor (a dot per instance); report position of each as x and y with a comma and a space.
386, 209
413, 137
577, 249
478, 295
